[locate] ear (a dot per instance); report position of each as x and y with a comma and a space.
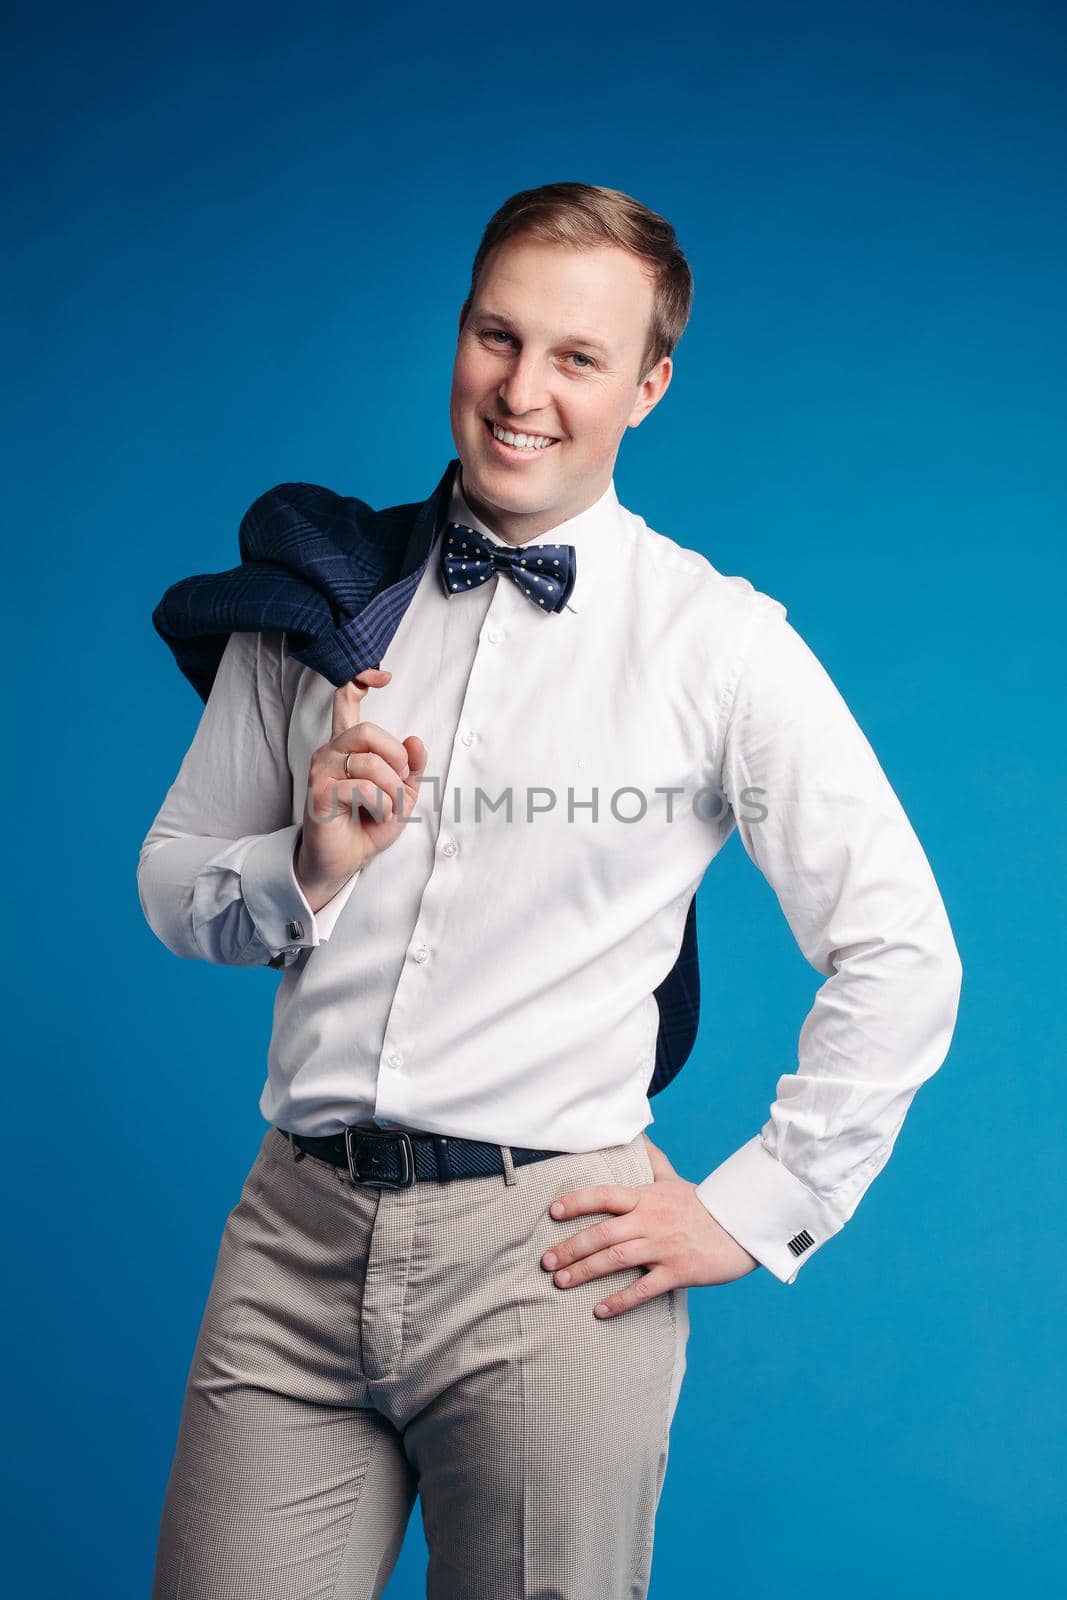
651, 391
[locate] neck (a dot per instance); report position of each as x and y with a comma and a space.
519, 527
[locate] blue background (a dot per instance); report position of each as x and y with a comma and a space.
241, 236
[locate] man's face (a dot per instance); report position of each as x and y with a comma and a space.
551, 346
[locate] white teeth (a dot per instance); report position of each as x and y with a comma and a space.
521, 441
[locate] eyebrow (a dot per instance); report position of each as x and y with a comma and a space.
584, 339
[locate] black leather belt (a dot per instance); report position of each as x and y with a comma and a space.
394, 1158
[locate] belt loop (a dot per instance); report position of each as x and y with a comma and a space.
444, 1163
509, 1165
297, 1154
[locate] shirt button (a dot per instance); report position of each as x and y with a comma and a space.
468, 737
495, 636
395, 1059
449, 847
421, 953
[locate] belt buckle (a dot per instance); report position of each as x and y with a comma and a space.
404, 1151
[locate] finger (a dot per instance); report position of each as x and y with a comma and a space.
325, 803
348, 699
611, 1252
658, 1281
658, 1160
366, 764
601, 1197
418, 755
363, 737
375, 800
583, 1244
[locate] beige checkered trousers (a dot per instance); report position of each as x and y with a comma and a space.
361, 1347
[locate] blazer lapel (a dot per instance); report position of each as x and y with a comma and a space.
362, 642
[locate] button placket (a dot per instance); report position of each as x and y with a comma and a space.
404, 1013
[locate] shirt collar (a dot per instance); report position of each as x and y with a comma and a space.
590, 532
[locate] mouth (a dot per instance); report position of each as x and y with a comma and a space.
513, 445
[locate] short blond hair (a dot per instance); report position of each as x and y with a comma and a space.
585, 216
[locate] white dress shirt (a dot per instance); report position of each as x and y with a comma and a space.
491, 977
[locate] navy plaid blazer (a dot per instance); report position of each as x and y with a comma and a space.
337, 577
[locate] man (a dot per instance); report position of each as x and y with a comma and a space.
466, 1010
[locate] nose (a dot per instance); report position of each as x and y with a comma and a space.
524, 387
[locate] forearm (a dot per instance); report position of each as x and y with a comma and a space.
224, 900
851, 878
216, 874
880, 1026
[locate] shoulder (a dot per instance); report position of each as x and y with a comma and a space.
694, 588
299, 510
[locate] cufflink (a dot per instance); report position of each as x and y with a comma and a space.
295, 929
801, 1242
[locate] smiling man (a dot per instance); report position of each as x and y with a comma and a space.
459, 1268
550, 372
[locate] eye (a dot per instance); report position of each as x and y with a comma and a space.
579, 355
491, 333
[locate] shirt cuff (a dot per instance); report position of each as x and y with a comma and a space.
276, 903
769, 1212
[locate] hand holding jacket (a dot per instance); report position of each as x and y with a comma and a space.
355, 784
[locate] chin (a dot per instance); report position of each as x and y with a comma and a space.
507, 499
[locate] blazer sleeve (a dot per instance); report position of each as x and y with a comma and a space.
216, 876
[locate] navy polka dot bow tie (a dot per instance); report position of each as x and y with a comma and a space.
544, 572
